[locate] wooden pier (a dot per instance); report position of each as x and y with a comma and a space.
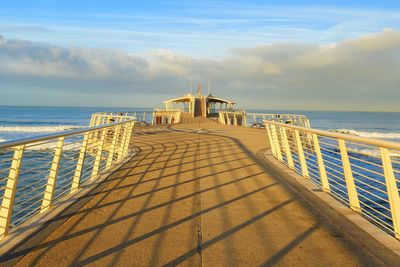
201, 193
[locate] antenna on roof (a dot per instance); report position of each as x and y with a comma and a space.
191, 84
208, 86
198, 90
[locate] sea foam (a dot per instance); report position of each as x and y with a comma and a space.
389, 135
37, 129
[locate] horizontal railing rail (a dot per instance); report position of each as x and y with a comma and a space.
255, 120
363, 173
162, 116
293, 119
232, 118
103, 118
37, 173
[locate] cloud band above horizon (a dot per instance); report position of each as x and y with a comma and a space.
356, 74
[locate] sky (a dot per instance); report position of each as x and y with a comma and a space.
310, 55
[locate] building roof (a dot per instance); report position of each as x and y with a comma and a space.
188, 98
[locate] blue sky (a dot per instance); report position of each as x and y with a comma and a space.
202, 29
268, 54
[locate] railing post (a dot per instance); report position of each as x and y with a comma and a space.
111, 152
348, 175
79, 165
128, 138
276, 141
321, 165
121, 149
300, 151
10, 191
99, 153
287, 148
271, 142
51, 181
392, 190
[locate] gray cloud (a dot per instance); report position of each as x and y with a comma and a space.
356, 74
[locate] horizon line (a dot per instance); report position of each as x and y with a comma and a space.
244, 109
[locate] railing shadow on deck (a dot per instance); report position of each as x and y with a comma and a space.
146, 159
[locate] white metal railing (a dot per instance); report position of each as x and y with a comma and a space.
162, 116
255, 120
102, 118
36, 173
363, 173
236, 118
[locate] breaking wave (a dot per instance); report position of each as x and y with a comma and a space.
49, 145
37, 129
370, 134
371, 152
52, 145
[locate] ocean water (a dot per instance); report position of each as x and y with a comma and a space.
365, 161
381, 125
22, 122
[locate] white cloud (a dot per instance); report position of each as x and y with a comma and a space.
361, 73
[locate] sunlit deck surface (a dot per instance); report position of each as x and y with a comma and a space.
196, 194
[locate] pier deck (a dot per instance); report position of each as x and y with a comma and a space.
196, 194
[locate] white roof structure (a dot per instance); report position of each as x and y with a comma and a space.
199, 105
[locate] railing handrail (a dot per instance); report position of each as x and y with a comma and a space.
118, 112
348, 137
358, 171
232, 111
168, 110
275, 114
263, 114
39, 138
166, 116
67, 160
242, 118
